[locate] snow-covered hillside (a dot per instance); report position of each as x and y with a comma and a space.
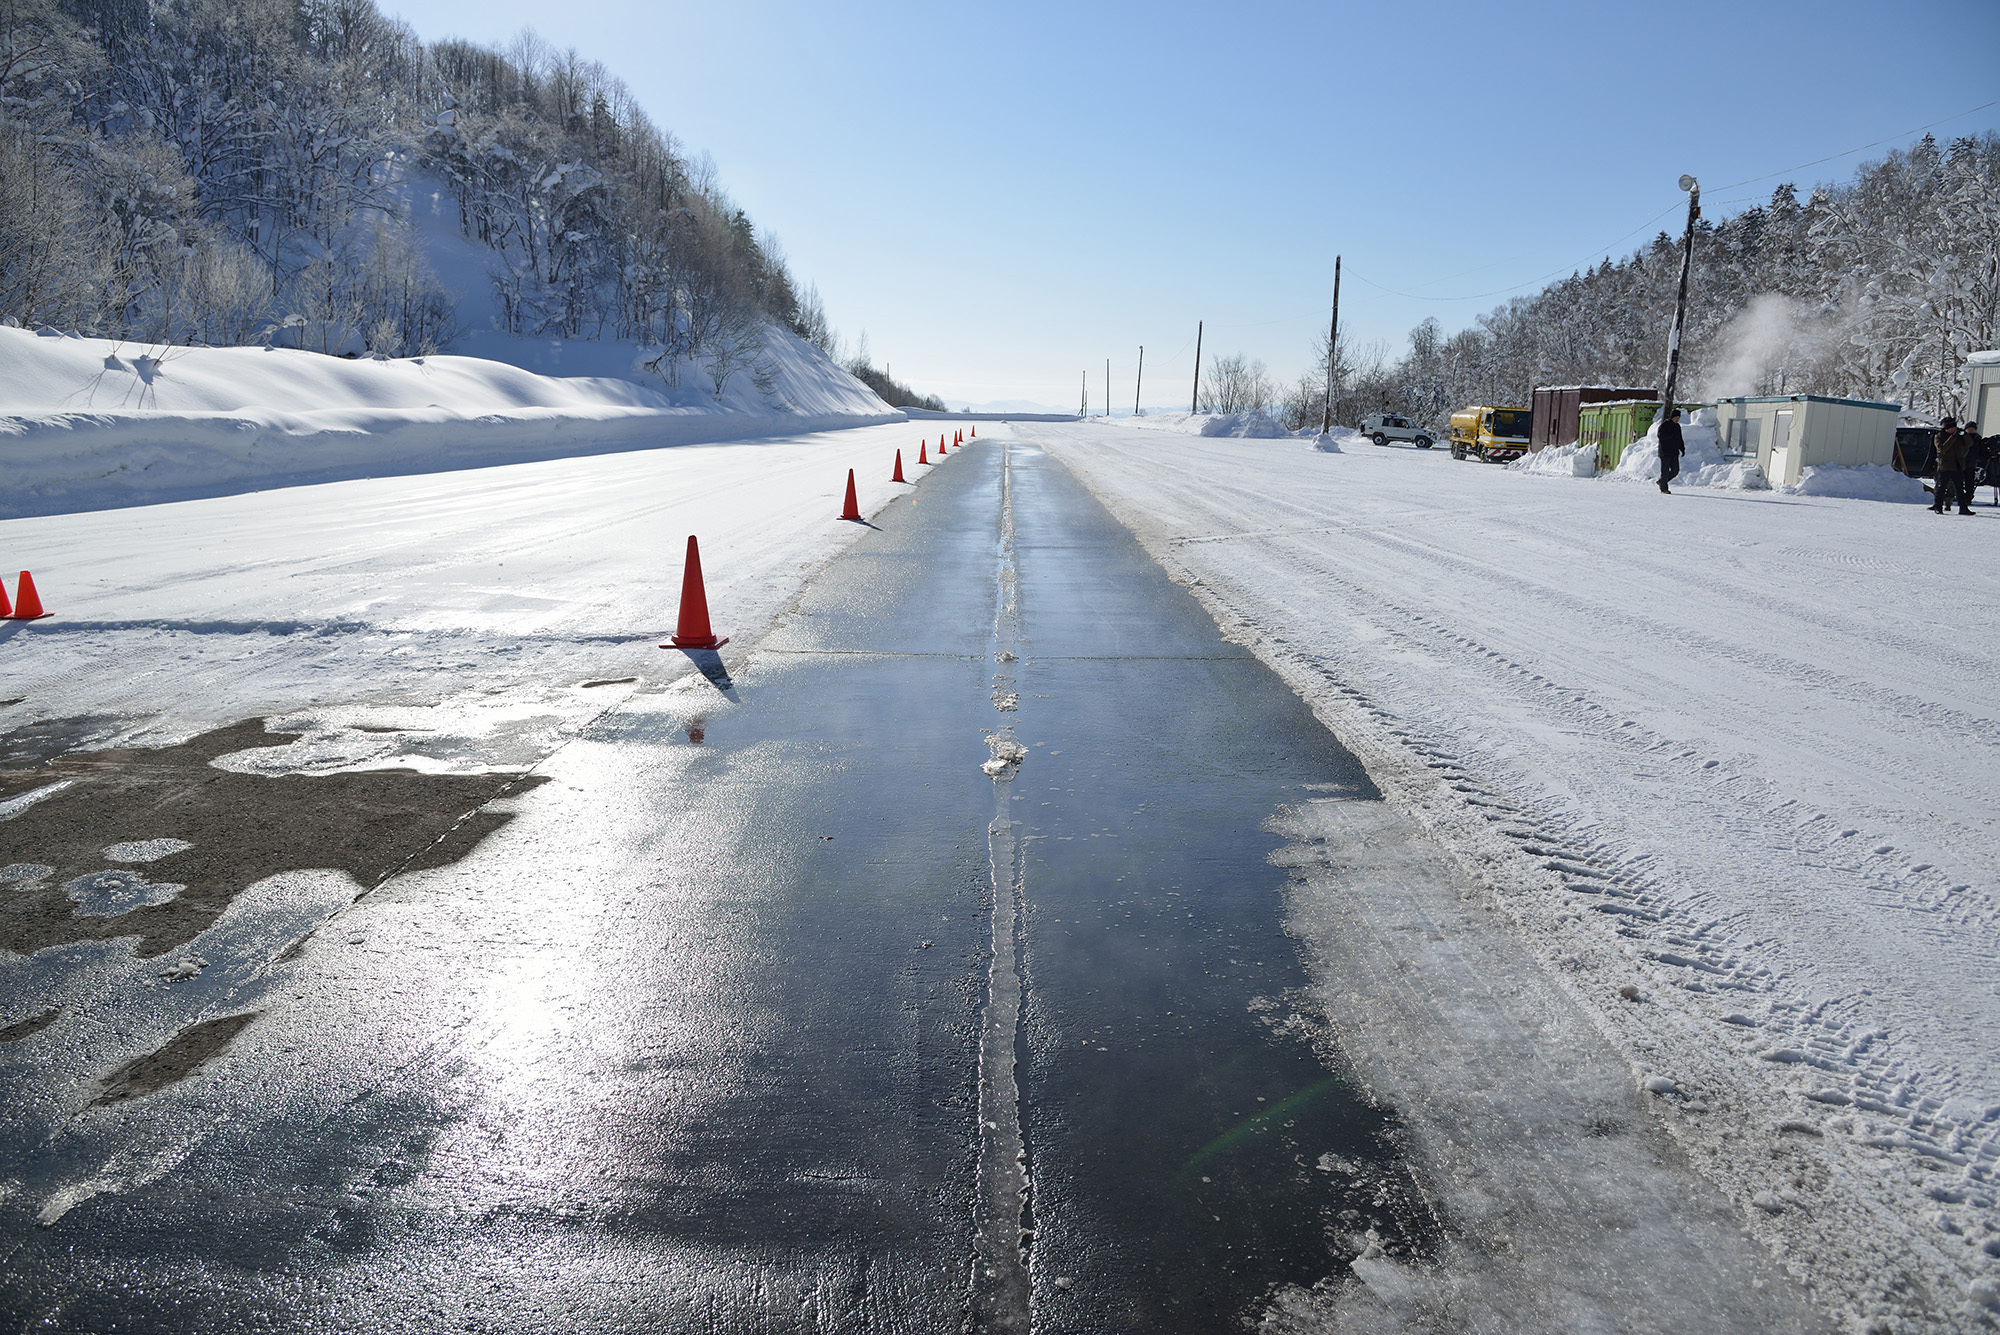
90, 423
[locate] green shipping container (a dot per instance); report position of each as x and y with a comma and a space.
1610, 427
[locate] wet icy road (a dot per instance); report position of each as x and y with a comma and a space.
709, 1035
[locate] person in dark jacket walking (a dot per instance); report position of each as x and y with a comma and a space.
1951, 481
1671, 448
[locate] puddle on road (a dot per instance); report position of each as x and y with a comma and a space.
206, 834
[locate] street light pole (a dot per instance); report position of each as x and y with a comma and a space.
1689, 184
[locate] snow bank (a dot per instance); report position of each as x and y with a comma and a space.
47, 372
1255, 424
1703, 464
1864, 482
1330, 442
984, 415
1558, 461
90, 423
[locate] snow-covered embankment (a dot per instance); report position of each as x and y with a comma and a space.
90, 423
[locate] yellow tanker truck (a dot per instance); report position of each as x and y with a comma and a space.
1496, 434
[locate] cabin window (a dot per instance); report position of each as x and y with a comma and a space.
1743, 436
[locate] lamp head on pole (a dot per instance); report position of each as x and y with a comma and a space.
1687, 182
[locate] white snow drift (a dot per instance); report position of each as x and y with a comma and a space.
87, 423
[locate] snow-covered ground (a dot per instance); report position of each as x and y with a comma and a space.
1725, 759
87, 423
477, 602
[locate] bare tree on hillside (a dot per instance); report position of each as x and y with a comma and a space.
1234, 384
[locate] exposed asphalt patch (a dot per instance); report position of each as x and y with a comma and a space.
238, 828
181, 1056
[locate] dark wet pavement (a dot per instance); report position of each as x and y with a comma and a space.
694, 1042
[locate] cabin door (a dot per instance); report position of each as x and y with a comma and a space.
1781, 450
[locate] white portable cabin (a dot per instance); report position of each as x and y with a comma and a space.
1789, 433
1982, 391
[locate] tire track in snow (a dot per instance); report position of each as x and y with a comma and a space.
1842, 1189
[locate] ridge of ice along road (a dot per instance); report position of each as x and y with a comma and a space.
480, 605
1721, 763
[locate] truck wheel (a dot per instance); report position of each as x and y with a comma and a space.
1379, 438
1458, 451
1423, 442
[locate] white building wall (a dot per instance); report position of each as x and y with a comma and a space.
1982, 401
1823, 435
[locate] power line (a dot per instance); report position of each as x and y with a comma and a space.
1865, 147
1605, 250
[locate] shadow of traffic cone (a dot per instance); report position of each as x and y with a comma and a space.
852, 510
922, 457
897, 476
694, 631
27, 603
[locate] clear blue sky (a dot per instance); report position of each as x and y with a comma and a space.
1004, 196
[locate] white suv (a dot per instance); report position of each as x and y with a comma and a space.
1385, 427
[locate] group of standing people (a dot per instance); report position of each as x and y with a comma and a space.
1957, 450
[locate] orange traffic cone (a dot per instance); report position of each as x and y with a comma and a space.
975, 433
897, 476
694, 631
940, 445
922, 457
958, 438
6, 608
852, 510
27, 603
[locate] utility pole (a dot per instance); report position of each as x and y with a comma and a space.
1194, 406
1332, 349
1107, 387
1139, 380
1689, 184
1083, 404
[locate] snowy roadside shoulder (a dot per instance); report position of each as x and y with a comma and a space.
65, 463
468, 620
90, 423
1756, 980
